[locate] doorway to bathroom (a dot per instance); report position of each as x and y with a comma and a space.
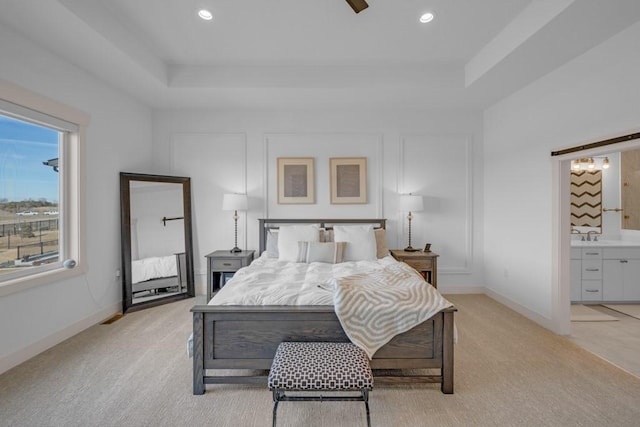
588, 234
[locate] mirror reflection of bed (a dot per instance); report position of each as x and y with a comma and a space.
156, 239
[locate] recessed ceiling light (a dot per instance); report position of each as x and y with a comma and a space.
205, 14
426, 17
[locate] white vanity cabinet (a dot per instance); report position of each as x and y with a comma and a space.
605, 273
621, 274
591, 274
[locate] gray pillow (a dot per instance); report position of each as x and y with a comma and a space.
329, 252
272, 243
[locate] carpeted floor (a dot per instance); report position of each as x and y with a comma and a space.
135, 372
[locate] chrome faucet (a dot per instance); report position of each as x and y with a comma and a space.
595, 239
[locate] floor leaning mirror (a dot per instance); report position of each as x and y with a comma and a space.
157, 245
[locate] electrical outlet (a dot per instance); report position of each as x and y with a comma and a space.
117, 273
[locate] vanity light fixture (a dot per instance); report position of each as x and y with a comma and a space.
426, 17
205, 14
589, 163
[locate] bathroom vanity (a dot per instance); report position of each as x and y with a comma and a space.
605, 271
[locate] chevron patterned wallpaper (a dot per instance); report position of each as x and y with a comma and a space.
586, 198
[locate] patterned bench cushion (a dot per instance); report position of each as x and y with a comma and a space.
320, 366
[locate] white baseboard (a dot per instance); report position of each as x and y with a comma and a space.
26, 353
461, 289
534, 316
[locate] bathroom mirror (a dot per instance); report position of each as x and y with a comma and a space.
157, 247
629, 185
586, 201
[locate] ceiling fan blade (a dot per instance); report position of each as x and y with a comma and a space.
358, 5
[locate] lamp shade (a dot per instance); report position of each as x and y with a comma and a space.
234, 202
410, 203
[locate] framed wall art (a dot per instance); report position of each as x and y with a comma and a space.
348, 180
296, 180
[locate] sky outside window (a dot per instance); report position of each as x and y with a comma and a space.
23, 148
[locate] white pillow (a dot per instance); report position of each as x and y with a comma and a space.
272, 242
290, 235
361, 239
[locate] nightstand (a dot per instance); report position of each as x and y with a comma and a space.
425, 262
221, 263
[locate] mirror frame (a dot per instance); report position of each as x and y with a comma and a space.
125, 234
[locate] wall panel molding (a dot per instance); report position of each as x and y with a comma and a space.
440, 168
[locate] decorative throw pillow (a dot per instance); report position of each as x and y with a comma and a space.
329, 252
272, 243
290, 235
361, 239
382, 250
328, 236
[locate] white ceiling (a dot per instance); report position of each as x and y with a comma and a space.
318, 53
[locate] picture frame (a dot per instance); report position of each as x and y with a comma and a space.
348, 177
296, 183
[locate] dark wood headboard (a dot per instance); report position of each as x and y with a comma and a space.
268, 223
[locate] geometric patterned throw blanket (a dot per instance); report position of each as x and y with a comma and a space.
375, 307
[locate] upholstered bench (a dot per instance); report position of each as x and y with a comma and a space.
318, 367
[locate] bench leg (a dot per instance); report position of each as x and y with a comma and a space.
275, 409
276, 400
365, 398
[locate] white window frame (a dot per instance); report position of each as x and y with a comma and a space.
26, 105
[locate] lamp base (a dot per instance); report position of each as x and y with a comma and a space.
236, 249
410, 249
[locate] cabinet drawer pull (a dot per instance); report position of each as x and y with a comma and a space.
591, 290
624, 261
593, 269
226, 264
592, 253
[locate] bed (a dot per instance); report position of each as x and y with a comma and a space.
236, 343
159, 273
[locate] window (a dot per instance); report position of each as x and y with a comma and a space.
29, 196
39, 190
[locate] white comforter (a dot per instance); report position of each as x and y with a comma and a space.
374, 300
268, 281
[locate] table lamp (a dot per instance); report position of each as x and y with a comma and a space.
235, 203
410, 203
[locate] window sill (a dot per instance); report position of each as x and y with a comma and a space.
20, 284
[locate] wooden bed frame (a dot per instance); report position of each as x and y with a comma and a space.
246, 337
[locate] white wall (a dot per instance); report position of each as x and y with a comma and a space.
593, 97
150, 203
118, 139
437, 154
